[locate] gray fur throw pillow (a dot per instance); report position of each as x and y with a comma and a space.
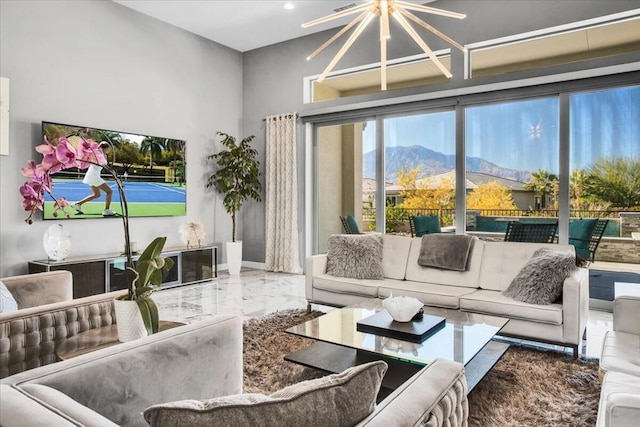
540, 281
356, 256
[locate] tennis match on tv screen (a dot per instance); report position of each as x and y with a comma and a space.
151, 170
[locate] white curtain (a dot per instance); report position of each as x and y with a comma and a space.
281, 195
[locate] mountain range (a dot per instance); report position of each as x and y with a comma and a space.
433, 163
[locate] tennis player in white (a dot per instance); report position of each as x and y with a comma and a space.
93, 179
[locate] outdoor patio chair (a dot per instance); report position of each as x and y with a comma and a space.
540, 232
349, 224
424, 224
585, 235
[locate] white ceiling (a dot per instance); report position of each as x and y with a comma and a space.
243, 24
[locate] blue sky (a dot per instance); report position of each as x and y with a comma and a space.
524, 134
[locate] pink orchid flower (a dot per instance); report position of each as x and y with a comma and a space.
49, 159
65, 153
32, 196
88, 152
38, 173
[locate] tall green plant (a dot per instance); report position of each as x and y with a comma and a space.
614, 180
236, 176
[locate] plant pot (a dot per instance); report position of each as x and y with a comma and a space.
234, 257
129, 321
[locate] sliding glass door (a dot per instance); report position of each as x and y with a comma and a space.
339, 179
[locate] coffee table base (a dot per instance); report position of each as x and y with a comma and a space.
332, 358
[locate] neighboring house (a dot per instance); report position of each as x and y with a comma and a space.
524, 199
392, 193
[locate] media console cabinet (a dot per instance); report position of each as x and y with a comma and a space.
98, 274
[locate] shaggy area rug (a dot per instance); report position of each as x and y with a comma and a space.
528, 387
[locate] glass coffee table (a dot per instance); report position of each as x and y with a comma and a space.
466, 338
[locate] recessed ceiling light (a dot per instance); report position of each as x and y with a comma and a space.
289, 6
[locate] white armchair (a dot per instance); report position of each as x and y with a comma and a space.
620, 367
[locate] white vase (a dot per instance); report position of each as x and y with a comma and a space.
129, 321
234, 257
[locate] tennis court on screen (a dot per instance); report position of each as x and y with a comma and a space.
143, 198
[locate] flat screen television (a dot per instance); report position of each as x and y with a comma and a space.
152, 170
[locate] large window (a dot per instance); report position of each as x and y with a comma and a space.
512, 166
605, 156
582, 41
512, 162
419, 169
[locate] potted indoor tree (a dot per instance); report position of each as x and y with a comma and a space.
236, 177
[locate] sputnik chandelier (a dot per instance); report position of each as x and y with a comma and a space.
399, 10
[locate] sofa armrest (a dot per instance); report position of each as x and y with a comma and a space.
314, 266
31, 290
197, 361
626, 315
619, 401
575, 306
435, 396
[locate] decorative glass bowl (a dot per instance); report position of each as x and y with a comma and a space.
56, 242
402, 309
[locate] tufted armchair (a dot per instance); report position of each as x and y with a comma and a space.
30, 336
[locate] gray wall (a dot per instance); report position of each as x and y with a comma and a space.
99, 64
273, 75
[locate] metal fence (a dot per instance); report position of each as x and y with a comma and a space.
405, 214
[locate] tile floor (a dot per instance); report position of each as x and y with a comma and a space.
256, 293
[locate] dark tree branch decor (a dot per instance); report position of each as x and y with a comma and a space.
237, 175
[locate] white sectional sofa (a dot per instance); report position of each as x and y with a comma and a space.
492, 267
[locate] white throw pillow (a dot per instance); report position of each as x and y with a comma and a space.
7, 301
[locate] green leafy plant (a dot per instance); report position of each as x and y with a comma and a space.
236, 176
148, 271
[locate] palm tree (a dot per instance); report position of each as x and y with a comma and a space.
615, 180
544, 183
576, 188
153, 146
175, 146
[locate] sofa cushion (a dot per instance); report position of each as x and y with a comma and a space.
7, 301
336, 400
497, 304
357, 256
19, 410
502, 261
394, 255
65, 405
540, 280
621, 353
33, 290
347, 286
429, 293
469, 278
